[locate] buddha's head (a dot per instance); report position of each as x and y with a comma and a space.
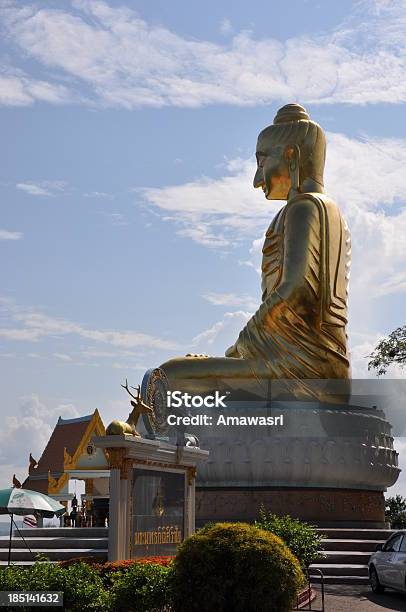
292, 149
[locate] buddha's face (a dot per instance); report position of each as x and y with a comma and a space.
272, 173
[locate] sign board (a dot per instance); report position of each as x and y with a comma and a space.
157, 512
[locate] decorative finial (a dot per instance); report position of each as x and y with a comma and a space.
32, 464
291, 112
67, 458
16, 482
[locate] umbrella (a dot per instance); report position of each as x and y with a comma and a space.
23, 501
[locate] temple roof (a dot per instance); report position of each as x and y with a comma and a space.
68, 433
66, 442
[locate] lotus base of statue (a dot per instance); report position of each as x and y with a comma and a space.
321, 462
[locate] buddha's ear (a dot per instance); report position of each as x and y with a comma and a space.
292, 156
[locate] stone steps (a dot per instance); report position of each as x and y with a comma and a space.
342, 569
63, 532
346, 554
355, 534
4, 564
55, 544
361, 545
341, 580
60, 554
94, 543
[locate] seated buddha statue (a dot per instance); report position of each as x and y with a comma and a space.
298, 332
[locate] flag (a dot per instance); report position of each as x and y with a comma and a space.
30, 521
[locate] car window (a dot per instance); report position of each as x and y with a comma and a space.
393, 544
403, 545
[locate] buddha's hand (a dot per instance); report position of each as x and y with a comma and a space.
233, 351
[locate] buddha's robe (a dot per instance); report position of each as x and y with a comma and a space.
299, 331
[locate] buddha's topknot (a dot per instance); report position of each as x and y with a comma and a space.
291, 112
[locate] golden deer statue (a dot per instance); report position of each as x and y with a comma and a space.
117, 428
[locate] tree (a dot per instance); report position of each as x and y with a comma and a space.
395, 511
388, 351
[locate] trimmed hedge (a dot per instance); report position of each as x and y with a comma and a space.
235, 567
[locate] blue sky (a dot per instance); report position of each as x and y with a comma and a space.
130, 231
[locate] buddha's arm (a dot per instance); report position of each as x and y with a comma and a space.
299, 284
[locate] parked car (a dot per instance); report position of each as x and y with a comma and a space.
387, 565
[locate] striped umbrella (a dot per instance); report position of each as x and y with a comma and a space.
22, 502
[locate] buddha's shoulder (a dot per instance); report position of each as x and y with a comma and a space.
312, 202
304, 207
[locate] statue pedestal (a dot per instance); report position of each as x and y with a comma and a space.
324, 507
328, 465
152, 495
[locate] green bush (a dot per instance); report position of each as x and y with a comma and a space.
140, 587
234, 567
81, 584
83, 589
13, 578
301, 538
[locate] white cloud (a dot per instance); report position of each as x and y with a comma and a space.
35, 326
63, 357
231, 300
33, 189
30, 430
216, 212
24, 335
7, 470
107, 354
217, 338
128, 366
18, 89
6, 235
42, 188
118, 219
123, 61
255, 255
98, 194
226, 27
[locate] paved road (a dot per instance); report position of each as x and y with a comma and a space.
359, 598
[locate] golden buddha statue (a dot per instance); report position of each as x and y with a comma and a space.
299, 330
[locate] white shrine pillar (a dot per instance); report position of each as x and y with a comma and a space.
125, 472
190, 480
114, 514
116, 457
